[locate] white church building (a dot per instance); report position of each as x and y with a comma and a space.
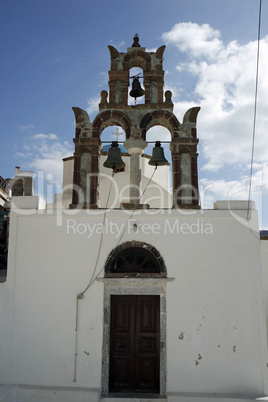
125, 290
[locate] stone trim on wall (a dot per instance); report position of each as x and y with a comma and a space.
131, 286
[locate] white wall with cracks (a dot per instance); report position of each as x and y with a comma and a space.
216, 339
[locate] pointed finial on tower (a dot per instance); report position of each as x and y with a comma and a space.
136, 41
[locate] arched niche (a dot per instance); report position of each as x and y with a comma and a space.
139, 255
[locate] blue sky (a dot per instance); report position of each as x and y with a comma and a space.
54, 56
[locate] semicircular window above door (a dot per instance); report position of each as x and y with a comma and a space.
135, 260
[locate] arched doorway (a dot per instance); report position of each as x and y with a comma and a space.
134, 322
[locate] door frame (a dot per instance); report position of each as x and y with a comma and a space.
135, 343
133, 286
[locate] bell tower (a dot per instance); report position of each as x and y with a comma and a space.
153, 74
136, 120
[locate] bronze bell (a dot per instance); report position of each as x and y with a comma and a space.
158, 157
136, 90
114, 160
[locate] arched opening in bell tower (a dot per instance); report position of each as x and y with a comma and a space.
112, 133
135, 72
110, 179
162, 134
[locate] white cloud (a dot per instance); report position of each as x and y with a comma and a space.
93, 108
45, 137
117, 45
222, 189
27, 127
224, 85
222, 79
26, 147
122, 43
21, 155
44, 155
49, 167
196, 40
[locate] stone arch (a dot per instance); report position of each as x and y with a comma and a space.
183, 152
139, 59
110, 118
114, 286
160, 118
156, 256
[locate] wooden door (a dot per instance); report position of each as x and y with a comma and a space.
135, 344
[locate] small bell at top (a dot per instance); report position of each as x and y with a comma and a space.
136, 90
158, 157
114, 160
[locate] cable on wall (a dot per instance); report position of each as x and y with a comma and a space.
81, 294
92, 279
123, 232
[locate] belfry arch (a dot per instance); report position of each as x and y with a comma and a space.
136, 120
110, 118
183, 146
160, 118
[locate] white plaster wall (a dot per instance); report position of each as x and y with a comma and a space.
216, 335
47, 269
216, 317
157, 195
68, 170
264, 254
118, 188
161, 175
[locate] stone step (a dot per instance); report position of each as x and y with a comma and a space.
13, 393
213, 398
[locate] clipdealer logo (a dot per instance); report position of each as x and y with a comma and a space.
168, 226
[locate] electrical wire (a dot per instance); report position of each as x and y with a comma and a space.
123, 232
92, 279
81, 294
255, 110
